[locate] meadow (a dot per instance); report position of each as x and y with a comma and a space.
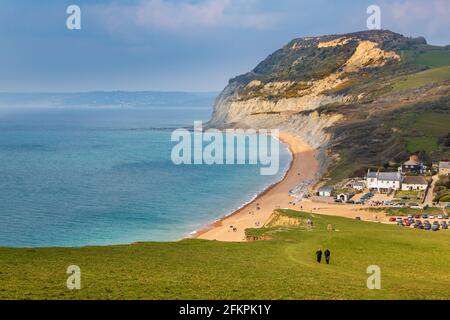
414, 265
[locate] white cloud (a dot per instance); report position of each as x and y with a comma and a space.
166, 15
432, 16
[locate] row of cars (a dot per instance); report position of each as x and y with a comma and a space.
366, 197
418, 224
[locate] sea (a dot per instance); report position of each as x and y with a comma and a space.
101, 175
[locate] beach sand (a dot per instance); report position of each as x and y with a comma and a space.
304, 166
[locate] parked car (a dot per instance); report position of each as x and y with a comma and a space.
431, 216
417, 216
410, 215
399, 219
445, 216
427, 226
424, 216
444, 225
392, 219
435, 226
440, 216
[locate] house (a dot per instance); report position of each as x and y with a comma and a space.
325, 191
414, 183
383, 181
413, 165
344, 196
444, 168
359, 185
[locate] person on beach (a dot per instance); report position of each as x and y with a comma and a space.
319, 255
327, 256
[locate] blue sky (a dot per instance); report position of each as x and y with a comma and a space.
176, 45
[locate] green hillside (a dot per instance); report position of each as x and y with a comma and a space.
423, 78
414, 265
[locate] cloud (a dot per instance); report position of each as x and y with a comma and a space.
431, 16
176, 16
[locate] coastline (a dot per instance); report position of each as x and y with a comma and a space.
303, 167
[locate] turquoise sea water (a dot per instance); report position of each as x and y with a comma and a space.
96, 176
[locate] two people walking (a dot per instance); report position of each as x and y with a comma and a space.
327, 254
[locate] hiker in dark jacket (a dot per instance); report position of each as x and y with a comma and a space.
327, 256
319, 255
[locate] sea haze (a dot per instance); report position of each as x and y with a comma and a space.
95, 176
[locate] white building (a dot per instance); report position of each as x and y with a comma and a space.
359, 185
383, 181
444, 168
414, 183
325, 191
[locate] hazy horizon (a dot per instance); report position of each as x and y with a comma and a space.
173, 45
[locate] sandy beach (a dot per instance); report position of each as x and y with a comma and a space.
303, 167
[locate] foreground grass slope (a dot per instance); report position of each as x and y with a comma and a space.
414, 265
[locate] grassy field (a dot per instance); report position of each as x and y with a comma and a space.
435, 58
421, 131
403, 212
420, 79
408, 193
414, 265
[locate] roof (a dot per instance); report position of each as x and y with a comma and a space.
371, 174
359, 184
412, 163
415, 180
325, 189
389, 176
444, 164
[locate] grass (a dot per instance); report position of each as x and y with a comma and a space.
401, 212
434, 59
413, 266
420, 79
407, 193
421, 131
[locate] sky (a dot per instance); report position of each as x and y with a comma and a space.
174, 45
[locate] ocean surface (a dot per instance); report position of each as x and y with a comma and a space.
75, 176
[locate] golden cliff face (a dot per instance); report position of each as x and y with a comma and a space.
282, 103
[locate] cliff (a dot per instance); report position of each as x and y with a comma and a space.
321, 88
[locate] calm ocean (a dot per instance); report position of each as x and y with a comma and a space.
96, 176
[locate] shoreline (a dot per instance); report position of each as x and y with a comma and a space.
303, 167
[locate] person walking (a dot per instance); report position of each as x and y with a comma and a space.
327, 256
319, 255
